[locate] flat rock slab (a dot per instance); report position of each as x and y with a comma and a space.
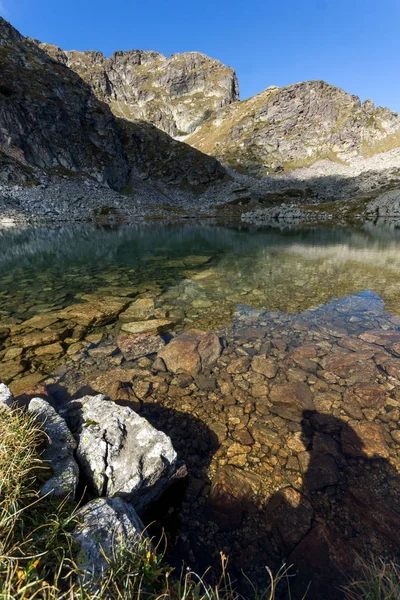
150, 326
319, 470
38, 338
93, 313
291, 400
364, 440
40, 321
59, 450
140, 310
11, 368
120, 453
141, 344
107, 526
381, 337
231, 493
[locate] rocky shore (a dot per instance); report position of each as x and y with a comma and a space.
324, 192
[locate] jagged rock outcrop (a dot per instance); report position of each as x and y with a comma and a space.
176, 94
50, 119
282, 129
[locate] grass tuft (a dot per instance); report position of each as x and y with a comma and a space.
379, 580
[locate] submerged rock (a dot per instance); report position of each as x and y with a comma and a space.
141, 344
58, 453
151, 326
191, 353
108, 525
93, 313
120, 453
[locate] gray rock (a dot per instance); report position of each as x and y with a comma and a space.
176, 94
120, 453
107, 526
6, 397
58, 452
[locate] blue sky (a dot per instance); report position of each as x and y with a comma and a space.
354, 44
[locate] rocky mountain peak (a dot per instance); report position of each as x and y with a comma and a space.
295, 126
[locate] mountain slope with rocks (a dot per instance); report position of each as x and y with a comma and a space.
51, 123
283, 129
177, 94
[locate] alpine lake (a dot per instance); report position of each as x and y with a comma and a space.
289, 424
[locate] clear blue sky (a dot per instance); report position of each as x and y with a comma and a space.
354, 44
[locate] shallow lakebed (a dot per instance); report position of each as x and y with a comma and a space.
291, 433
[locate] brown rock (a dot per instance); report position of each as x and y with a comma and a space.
181, 355
364, 439
239, 365
381, 337
352, 367
21, 386
366, 395
93, 313
9, 370
290, 400
319, 470
151, 326
142, 344
4, 333
357, 345
40, 321
322, 559
191, 352
243, 437
374, 513
51, 350
290, 515
141, 309
390, 365
265, 366
264, 435
38, 338
231, 495
101, 383
209, 349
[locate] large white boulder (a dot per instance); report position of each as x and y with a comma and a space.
120, 453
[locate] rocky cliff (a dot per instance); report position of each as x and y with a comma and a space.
50, 119
282, 129
176, 94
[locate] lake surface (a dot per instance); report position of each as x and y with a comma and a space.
292, 437
205, 271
